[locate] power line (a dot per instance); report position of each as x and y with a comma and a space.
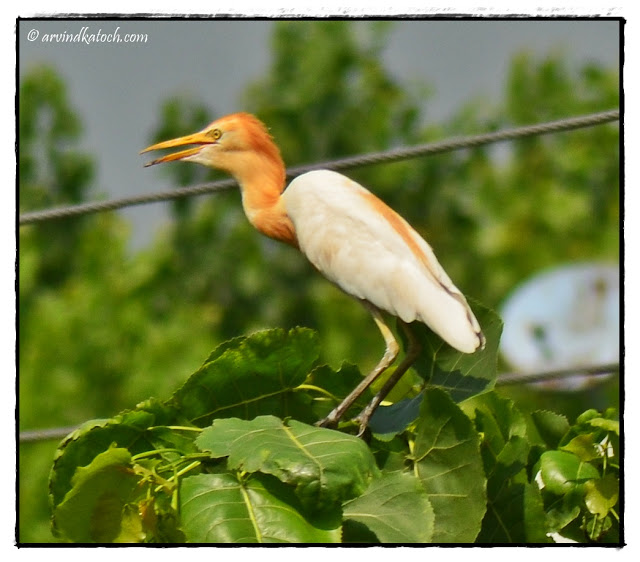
525, 378
58, 433
392, 155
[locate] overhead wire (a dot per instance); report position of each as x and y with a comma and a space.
392, 155
57, 433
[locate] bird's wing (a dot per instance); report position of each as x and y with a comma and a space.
370, 252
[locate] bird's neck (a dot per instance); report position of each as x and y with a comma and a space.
262, 181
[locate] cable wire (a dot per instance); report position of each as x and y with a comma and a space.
392, 155
505, 379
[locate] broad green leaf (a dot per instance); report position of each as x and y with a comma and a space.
222, 508
595, 527
448, 463
464, 375
607, 425
601, 494
249, 376
559, 516
93, 510
514, 508
392, 455
562, 471
515, 514
583, 447
550, 426
325, 466
129, 430
396, 508
496, 417
338, 384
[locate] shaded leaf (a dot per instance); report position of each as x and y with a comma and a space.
515, 514
338, 383
93, 510
449, 466
249, 376
325, 466
514, 508
396, 508
220, 508
462, 374
497, 418
550, 426
583, 447
129, 430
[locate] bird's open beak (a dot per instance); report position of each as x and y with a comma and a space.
199, 138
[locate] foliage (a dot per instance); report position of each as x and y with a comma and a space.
102, 326
209, 465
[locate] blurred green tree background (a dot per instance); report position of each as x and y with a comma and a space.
102, 328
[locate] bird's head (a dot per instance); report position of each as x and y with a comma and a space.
228, 144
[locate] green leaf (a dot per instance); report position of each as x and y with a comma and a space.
550, 426
559, 516
583, 447
462, 374
515, 514
396, 508
607, 425
339, 384
249, 376
562, 471
129, 430
93, 510
497, 418
221, 508
325, 466
514, 508
448, 463
601, 494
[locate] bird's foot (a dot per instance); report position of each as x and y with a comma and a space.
330, 422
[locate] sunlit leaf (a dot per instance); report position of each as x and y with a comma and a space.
93, 510
601, 494
449, 466
222, 508
562, 471
396, 508
249, 376
324, 466
129, 429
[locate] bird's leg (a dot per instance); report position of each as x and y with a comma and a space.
413, 351
390, 354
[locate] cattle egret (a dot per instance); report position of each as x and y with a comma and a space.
352, 237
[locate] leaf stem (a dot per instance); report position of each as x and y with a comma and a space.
317, 389
154, 452
177, 428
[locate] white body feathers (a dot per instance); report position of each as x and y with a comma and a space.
371, 253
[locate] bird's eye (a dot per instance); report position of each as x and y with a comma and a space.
215, 134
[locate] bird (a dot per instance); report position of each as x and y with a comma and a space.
348, 234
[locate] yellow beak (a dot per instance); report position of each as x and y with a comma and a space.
196, 138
